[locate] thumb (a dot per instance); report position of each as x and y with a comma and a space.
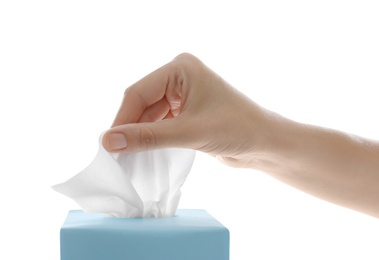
138, 137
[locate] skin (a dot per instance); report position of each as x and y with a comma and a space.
184, 104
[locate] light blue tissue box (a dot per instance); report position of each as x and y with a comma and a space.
190, 235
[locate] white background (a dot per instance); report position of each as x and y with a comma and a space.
65, 64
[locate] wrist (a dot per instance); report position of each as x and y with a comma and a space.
275, 142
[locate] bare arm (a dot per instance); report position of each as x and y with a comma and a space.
185, 104
332, 165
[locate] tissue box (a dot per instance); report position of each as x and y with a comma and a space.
190, 235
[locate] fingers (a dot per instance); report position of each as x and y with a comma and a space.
136, 137
152, 108
155, 112
143, 94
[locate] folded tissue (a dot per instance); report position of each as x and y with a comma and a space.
144, 184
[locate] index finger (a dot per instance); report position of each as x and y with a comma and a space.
141, 95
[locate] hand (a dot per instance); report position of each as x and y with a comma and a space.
184, 104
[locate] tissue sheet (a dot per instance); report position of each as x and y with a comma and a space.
144, 184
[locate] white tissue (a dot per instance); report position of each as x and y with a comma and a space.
145, 184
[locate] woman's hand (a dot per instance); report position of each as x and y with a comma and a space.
185, 104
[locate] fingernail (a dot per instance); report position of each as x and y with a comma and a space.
117, 141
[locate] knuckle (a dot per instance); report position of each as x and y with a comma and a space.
184, 55
129, 91
147, 138
186, 58
186, 64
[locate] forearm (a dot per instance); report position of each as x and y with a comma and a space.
332, 165
205, 113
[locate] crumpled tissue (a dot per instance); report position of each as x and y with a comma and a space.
144, 184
